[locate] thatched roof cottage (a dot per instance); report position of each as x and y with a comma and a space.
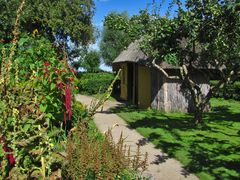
145, 86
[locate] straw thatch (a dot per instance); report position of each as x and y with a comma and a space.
132, 54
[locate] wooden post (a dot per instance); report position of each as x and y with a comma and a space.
134, 84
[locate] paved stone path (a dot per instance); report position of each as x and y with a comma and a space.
160, 166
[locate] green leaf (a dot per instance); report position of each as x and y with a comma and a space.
45, 82
26, 127
55, 105
22, 41
2, 153
43, 107
52, 86
48, 97
10, 120
49, 115
30, 51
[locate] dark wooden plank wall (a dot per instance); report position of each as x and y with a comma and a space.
157, 95
171, 96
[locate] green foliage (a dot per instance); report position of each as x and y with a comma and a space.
112, 44
114, 40
230, 91
136, 26
94, 83
56, 20
35, 55
194, 35
211, 151
91, 61
32, 105
119, 31
155, 32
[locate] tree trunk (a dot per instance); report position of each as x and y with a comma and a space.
198, 115
199, 99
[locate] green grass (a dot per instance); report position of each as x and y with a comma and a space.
210, 150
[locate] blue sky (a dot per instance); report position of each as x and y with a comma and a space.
103, 7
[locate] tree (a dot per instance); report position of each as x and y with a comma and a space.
91, 61
60, 21
210, 32
120, 30
113, 41
112, 44
203, 35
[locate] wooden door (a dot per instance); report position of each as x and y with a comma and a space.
124, 82
144, 87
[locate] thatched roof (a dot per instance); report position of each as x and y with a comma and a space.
135, 55
132, 54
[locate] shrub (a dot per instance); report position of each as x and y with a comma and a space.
35, 102
94, 83
231, 91
91, 155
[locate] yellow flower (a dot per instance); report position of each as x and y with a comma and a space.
15, 112
2, 81
35, 32
51, 145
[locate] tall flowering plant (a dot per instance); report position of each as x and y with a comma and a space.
60, 80
35, 93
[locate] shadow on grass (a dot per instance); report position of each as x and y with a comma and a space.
212, 148
223, 113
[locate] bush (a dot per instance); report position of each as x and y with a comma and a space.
90, 155
35, 106
94, 83
231, 91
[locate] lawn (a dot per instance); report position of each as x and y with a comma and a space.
210, 150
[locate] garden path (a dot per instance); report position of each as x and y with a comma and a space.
160, 166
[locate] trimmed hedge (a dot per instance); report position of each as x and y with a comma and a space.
231, 91
94, 83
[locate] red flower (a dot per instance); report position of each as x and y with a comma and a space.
60, 85
9, 156
71, 79
46, 64
68, 103
57, 71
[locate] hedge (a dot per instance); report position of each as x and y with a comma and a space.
94, 83
231, 91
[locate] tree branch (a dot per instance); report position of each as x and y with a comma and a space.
163, 71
